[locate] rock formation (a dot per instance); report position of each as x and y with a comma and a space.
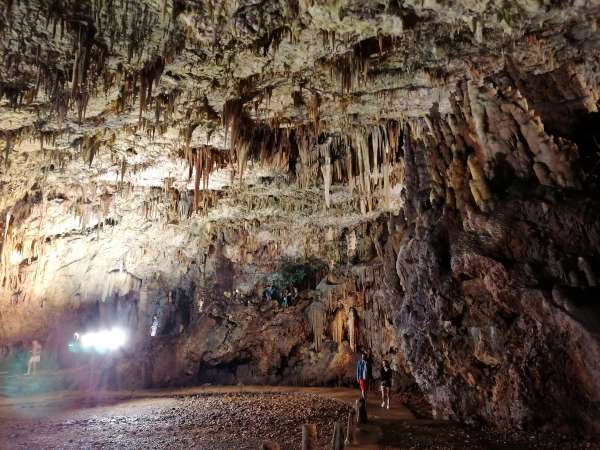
423, 173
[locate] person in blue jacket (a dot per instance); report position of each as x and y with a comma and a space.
362, 374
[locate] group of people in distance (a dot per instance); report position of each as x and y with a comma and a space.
364, 377
287, 298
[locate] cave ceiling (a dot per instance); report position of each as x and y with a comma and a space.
433, 164
132, 93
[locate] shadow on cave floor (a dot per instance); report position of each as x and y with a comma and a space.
199, 417
430, 434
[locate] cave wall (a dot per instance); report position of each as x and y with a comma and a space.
203, 280
499, 322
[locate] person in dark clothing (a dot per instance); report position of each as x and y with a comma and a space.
268, 293
385, 376
287, 297
370, 383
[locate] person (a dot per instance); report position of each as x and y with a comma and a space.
385, 376
370, 384
362, 374
154, 326
34, 359
287, 297
268, 293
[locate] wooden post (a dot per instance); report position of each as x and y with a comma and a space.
361, 410
309, 437
337, 443
350, 429
270, 445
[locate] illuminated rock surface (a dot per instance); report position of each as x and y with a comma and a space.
424, 173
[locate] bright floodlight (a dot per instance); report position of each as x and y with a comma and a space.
15, 257
103, 340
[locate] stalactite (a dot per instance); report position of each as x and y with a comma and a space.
313, 112
353, 333
7, 147
337, 326
349, 170
326, 171
205, 160
308, 150
352, 66
183, 206
361, 144
198, 175
478, 185
149, 76
316, 318
106, 200
239, 131
122, 171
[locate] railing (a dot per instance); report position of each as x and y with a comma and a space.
309, 431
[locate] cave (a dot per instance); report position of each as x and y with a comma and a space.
210, 211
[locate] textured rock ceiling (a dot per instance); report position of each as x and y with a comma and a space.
102, 86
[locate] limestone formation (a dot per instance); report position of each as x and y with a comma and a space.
415, 179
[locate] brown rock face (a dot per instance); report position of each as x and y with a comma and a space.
502, 301
493, 314
419, 178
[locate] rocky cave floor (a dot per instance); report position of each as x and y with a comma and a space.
241, 420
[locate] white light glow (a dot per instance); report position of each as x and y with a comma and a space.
104, 340
15, 257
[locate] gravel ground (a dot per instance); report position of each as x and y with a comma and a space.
204, 421
242, 421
